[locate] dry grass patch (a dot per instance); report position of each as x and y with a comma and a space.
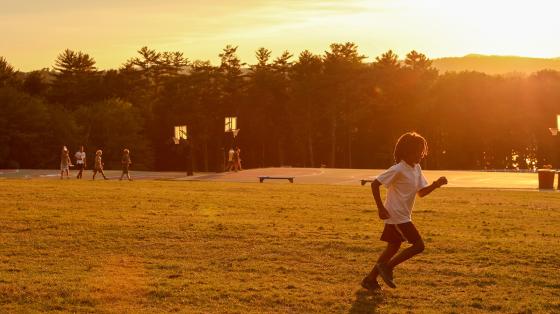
199, 247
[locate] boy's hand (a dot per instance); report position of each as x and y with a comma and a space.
441, 181
383, 213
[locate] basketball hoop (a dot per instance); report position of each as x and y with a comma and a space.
553, 131
235, 132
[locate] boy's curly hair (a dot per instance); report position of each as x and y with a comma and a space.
410, 143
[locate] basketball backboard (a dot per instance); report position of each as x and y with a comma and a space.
181, 132
554, 131
231, 124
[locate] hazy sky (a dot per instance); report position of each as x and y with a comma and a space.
34, 32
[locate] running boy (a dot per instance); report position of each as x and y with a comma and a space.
403, 180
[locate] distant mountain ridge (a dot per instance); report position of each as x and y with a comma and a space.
491, 64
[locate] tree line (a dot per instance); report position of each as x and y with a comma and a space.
333, 110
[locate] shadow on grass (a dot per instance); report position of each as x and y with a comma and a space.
366, 302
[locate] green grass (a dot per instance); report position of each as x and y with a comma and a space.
196, 247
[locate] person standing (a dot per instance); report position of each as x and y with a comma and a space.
65, 163
230, 165
237, 158
80, 161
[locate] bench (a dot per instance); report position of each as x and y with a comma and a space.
262, 178
364, 181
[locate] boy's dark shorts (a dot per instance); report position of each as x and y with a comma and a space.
400, 232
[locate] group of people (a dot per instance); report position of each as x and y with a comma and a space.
81, 164
234, 161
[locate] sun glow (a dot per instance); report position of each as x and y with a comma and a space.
497, 27
438, 28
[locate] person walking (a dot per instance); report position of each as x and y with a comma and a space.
98, 167
80, 161
237, 159
65, 163
125, 162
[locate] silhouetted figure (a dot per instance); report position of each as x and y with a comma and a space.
125, 162
236, 159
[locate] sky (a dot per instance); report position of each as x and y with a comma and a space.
34, 32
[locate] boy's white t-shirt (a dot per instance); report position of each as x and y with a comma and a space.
80, 156
402, 182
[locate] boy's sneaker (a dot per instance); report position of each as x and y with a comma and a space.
370, 285
386, 273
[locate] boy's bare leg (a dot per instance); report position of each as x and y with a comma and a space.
406, 254
384, 258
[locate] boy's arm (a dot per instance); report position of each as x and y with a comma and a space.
382, 211
436, 184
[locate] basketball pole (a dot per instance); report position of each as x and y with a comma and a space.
554, 132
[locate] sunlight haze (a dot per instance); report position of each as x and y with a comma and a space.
35, 32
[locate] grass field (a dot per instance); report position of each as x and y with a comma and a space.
195, 247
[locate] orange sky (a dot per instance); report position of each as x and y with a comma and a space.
34, 32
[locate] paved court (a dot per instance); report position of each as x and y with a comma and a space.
87, 174
474, 179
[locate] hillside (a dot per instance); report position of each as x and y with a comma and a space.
496, 64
